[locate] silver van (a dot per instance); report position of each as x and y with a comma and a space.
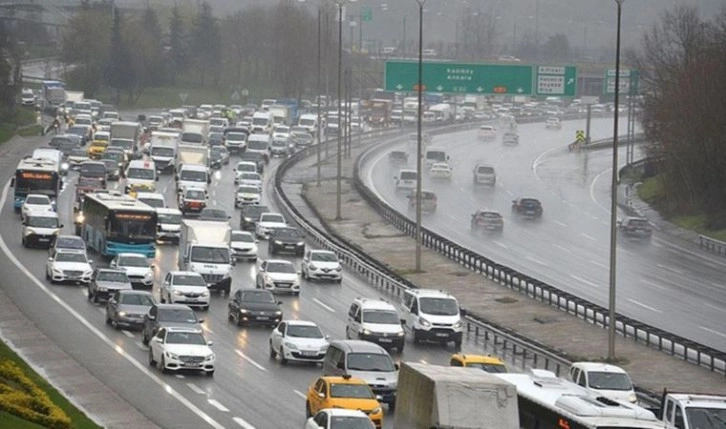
367, 361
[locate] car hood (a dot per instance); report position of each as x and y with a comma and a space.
242, 245
376, 377
38, 207
623, 395
72, 266
248, 194
271, 224
191, 289
387, 328
250, 182
366, 405
188, 349
137, 271
113, 285
42, 231
308, 343
325, 265
134, 309
260, 306
282, 277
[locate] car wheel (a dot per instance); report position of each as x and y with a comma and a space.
162, 365
95, 298
152, 362
108, 319
47, 275
25, 243
339, 281
416, 337
273, 353
205, 308
89, 295
308, 412
282, 356
401, 346
304, 274
347, 334
210, 373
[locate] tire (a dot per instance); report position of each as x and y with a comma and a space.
237, 320
305, 274
47, 276
108, 319
89, 295
308, 413
152, 362
392, 406
457, 344
282, 356
339, 281
95, 298
25, 243
210, 373
273, 353
162, 365
416, 337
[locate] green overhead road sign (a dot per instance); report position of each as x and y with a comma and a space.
366, 14
491, 79
628, 82
556, 80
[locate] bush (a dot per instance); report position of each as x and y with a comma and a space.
21, 397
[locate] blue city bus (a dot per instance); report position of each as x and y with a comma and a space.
113, 223
35, 176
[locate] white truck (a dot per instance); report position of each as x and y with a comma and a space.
128, 135
195, 131
692, 410
441, 111
432, 396
163, 148
475, 102
206, 250
281, 114
191, 154
71, 98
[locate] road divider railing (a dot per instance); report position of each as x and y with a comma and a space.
712, 245
522, 351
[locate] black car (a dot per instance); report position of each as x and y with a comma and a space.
398, 157
288, 240
254, 306
256, 157
250, 215
218, 215
529, 208
113, 172
165, 315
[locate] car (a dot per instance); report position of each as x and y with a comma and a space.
301, 138
487, 220
113, 172
243, 245
484, 174
267, 222
244, 167
286, 240
67, 242
174, 349
76, 157
106, 282
487, 132
440, 171
277, 275
281, 132
251, 179
406, 180
155, 122
118, 155
192, 201
28, 97
215, 138
247, 194
321, 265
40, 228
256, 157
510, 139
553, 123
604, 380
83, 131
69, 266
185, 287
428, 201
377, 321
488, 363
153, 199
247, 306
398, 157
344, 392
236, 139
36, 202
214, 215
218, 156
338, 418
298, 340
528, 208
137, 267
279, 147
168, 315
249, 216
635, 227
126, 308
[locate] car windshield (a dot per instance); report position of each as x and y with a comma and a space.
210, 255
281, 267
236, 137
260, 121
251, 176
304, 331
436, 155
370, 362
287, 233
261, 297
439, 306
156, 203
136, 299
530, 203
492, 368
248, 190
323, 257
112, 276
162, 151
408, 175
188, 280
485, 170
350, 422
181, 315
278, 143
193, 176
638, 223
194, 338
609, 380
169, 218
246, 166
706, 418
71, 257
358, 391
132, 261
39, 200
273, 218
195, 194
112, 155
381, 316
140, 173
69, 243
43, 221
242, 237
93, 169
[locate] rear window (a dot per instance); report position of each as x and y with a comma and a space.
192, 137
408, 175
485, 170
437, 155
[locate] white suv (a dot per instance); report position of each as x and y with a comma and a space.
137, 267
432, 315
321, 265
376, 321
268, 222
185, 287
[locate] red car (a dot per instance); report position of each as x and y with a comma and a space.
192, 201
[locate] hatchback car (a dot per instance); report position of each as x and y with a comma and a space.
527, 208
249, 306
277, 275
490, 364
635, 227
185, 287
428, 201
247, 194
321, 265
126, 308
267, 222
298, 340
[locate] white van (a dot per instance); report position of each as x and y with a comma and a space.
604, 379
259, 143
376, 321
261, 123
406, 180
432, 315
141, 176
309, 122
435, 155
40, 228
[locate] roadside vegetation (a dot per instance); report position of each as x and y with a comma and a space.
20, 121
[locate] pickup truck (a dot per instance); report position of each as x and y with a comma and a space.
692, 410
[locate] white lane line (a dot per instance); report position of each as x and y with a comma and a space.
300, 394
95, 331
500, 244
654, 284
127, 333
656, 244
581, 280
716, 284
83, 292
324, 305
217, 405
510, 193
243, 356
720, 334
723, 310
423, 361
141, 345
562, 224
589, 237
671, 269
599, 264
647, 307
240, 421
179, 376
564, 249
204, 328
592, 191
537, 261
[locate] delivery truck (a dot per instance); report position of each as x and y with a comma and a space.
205, 250
195, 131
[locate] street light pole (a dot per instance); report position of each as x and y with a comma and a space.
338, 189
318, 93
614, 197
419, 88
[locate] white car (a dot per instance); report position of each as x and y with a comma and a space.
321, 265
440, 171
277, 275
281, 132
185, 287
242, 168
173, 349
487, 132
268, 222
244, 245
339, 418
137, 267
69, 266
40, 228
553, 124
247, 194
153, 199
36, 202
298, 340
252, 179
28, 97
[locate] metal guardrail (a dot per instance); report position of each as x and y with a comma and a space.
712, 245
505, 341
674, 345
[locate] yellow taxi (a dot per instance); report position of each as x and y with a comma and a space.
488, 363
346, 392
96, 149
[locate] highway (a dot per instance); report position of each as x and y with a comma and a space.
664, 283
248, 390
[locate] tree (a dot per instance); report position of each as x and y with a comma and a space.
206, 41
557, 48
85, 44
10, 78
178, 52
118, 73
478, 33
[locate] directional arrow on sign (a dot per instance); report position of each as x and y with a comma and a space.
439, 88
520, 90
571, 81
399, 87
480, 89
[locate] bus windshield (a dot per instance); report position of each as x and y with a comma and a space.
36, 182
132, 227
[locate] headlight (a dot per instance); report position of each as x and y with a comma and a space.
376, 410
102, 289
400, 334
278, 313
632, 398
29, 231
88, 273
205, 293
178, 292
312, 267
148, 275
366, 332
171, 355
121, 313
80, 217
425, 323
209, 358
457, 325
64, 166
290, 346
248, 219
243, 311
301, 243
278, 242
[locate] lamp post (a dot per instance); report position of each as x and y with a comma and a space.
614, 197
318, 93
338, 189
419, 88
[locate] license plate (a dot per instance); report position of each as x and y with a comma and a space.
441, 335
263, 318
193, 365
386, 340
44, 239
290, 246
309, 353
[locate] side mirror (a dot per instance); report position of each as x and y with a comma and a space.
397, 366
200, 321
91, 262
321, 395
50, 258
403, 321
462, 311
210, 343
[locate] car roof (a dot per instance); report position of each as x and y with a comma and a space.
110, 270
598, 366
173, 307
359, 346
375, 304
440, 165
429, 292
167, 210
181, 329
79, 251
281, 261
149, 195
343, 412
327, 252
343, 380
42, 213
184, 273
69, 237
300, 322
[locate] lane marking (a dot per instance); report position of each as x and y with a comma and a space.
589, 237
83, 292
587, 282
647, 307
243, 356
101, 310
140, 345
654, 284
723, 310
562, 224
592, 191
217, 405
423, 361
601, 265
564, 249
100, 335
179, 376
500, 244
720, 334
127, 333
204, 327
537, 261
300, 394
324, 305
671, 269
240, 421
